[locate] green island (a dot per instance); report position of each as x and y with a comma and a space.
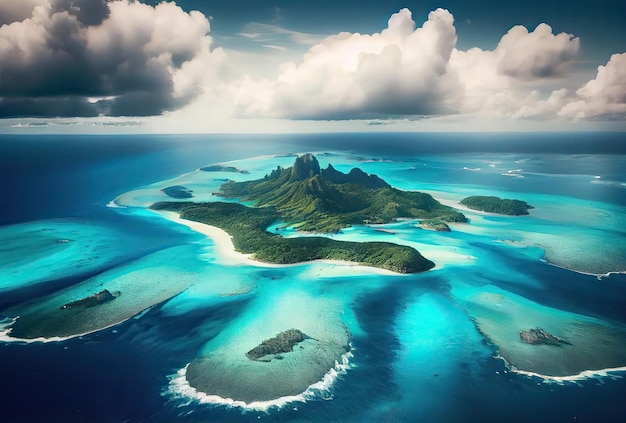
497, 205
320, 201
435, 225
220, 168
247, 226
327, 200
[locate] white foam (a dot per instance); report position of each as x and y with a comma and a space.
179, 388
6, 328
112, 204
599, 276
599, 181
512, 174
585, 374
472, 169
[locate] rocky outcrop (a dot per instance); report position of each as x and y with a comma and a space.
538, 336
96, 299
178, 191
435, 225
305, 167
220, 168
355, 176
281, 343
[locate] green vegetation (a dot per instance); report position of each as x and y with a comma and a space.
220, 168
247, 226
322, 201
497, 205
325, 201
435, 224
178, 191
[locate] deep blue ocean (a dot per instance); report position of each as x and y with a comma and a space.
418, 355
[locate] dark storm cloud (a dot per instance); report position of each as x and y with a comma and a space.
138, 103
88, 12
52, 62
17, 10
89, 57
47, 107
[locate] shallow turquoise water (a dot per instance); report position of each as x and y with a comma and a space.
34, 252
566, 231
494, 277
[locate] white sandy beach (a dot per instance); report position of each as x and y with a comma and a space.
230, 256
223, 241
457, 205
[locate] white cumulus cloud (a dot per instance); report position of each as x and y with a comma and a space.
604, 96
411, 70
505, 82
399, 71
88, 57
538, 54
72, 58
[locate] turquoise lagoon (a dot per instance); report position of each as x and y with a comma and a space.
382, 344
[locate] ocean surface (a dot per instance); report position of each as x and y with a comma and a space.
439, 346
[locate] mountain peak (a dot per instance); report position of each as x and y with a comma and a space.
305, 167
329, 200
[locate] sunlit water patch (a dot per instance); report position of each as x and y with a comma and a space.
223, 369
577, 235
203, 184
572, 240
280, 299
308, 297
571, 231
569, 240
130, 289
587, 344
38, 251
439, 347
414, 342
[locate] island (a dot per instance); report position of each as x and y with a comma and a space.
290, 363
435, 225
247, 227
274, 347
327, 200
96, 299
497, 205
538, 336
178, 191
319, 201
220, 168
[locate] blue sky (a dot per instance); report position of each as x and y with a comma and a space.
294, 65
601, 24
